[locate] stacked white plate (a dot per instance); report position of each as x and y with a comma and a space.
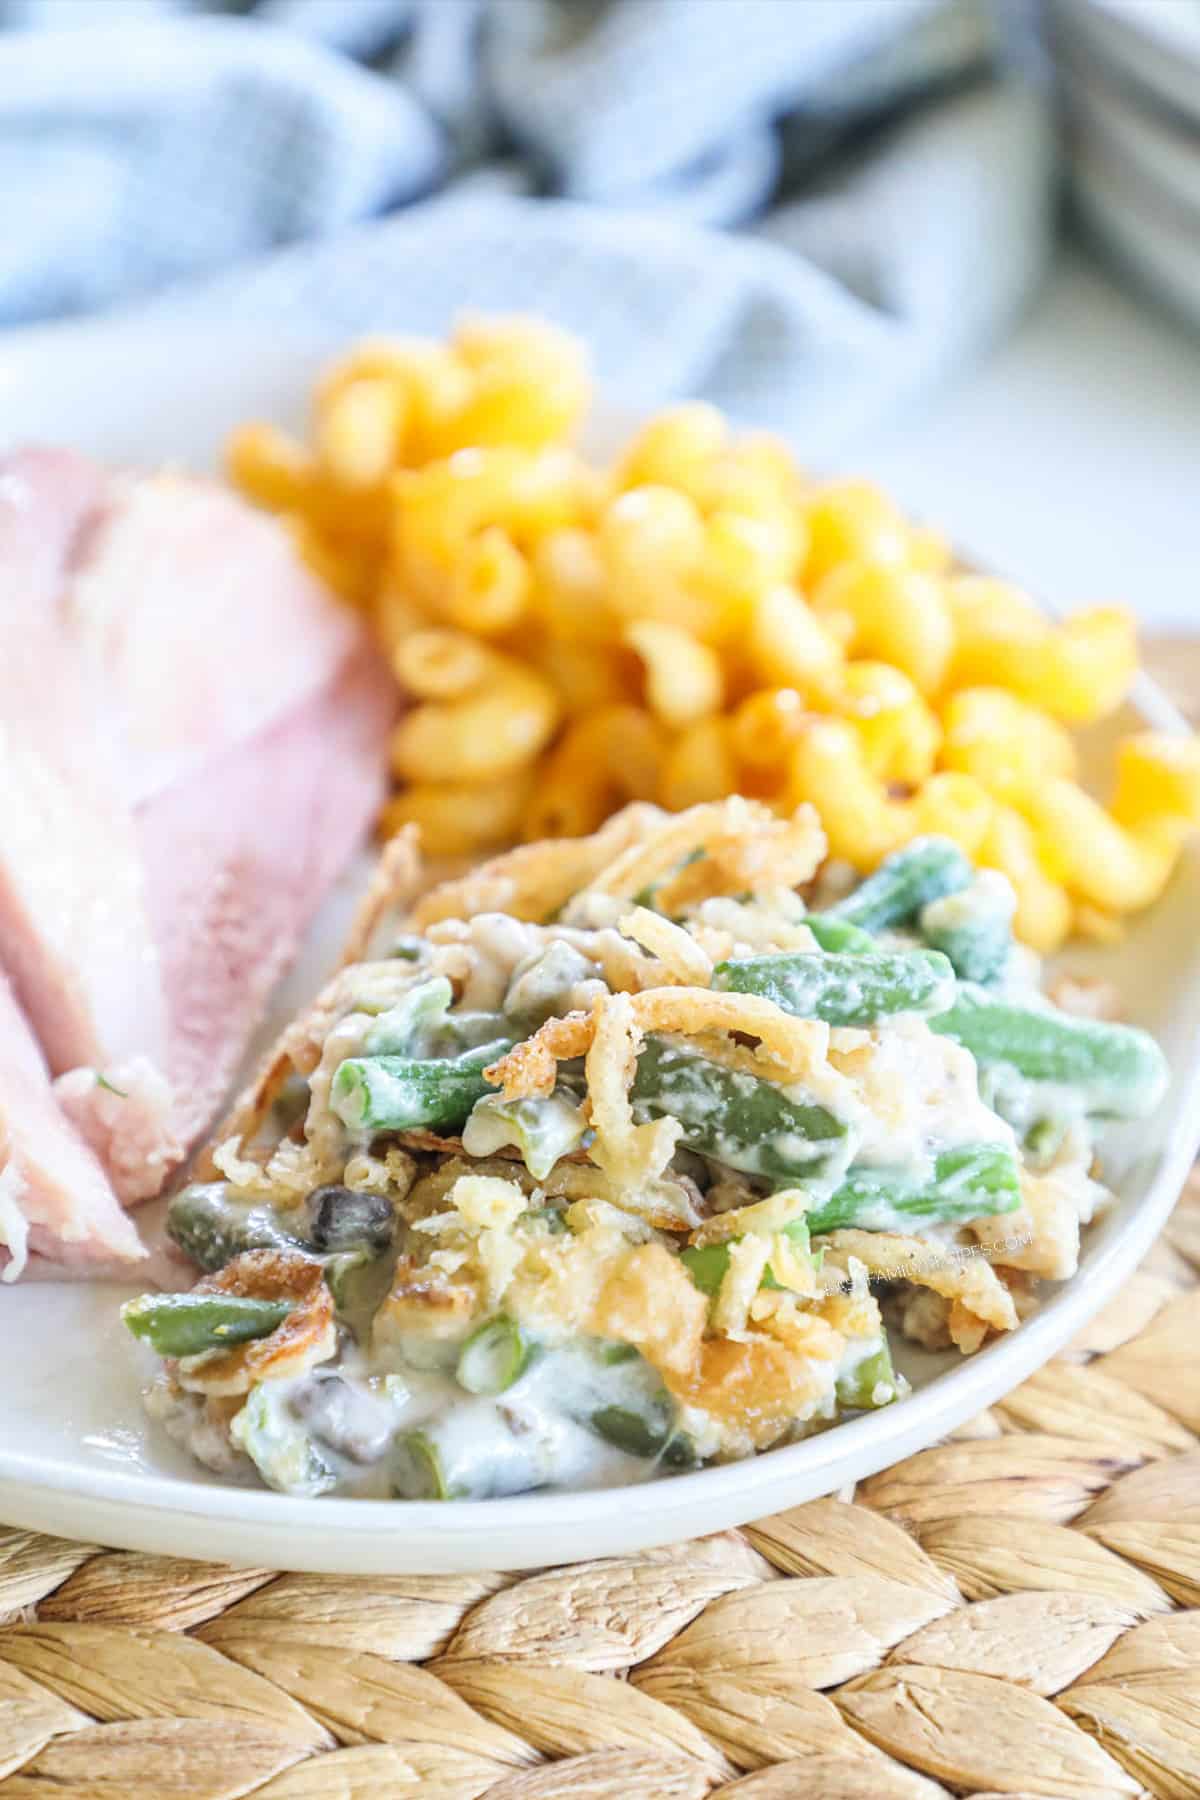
1131, 78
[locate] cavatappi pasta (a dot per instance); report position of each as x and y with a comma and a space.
628, 1153
696, 619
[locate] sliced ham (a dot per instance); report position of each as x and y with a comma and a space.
55, 1199
191, 746
75, 938
238, 856
197, 623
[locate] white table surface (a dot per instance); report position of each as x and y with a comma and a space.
1072, 457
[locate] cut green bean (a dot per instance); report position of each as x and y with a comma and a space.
738, 1119
839, 934
400, 1030
849, 988
460, 1031
970, 1182
472, 1452
541, 988
871, 1382
905, 882
212, 1224
1116, 1069
277, 1443
418, 1473
340, 1271
186, 1324
973, 927
408, 948
402, 1093
613, 1391
543, 1130
636, 1433
1044, 1139
707, 1264
493, 1357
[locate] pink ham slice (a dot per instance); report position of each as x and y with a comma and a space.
239, 854
203, 762
51, 1186
74, 934
198, 624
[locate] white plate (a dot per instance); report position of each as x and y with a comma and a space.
77, 1457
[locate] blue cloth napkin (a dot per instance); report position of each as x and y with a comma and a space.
346, 165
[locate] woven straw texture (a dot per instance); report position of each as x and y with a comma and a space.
1013, 1612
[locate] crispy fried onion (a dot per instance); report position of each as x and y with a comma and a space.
788, 1049
1042, 1236
979, 1299
656, 854
529, 1070
396, 879
631, 1155
535, 880
776, 853
308, 1335
681, 959
241, 1146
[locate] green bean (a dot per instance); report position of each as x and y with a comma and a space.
870, 1383
973, 927
905, 882
623, 1399
636, 1433
400, 1030
340, 1269
277, 1443
844, 989
1116, 1069
418, 1473
471, 1452
839, 934
1044, 1139
460, 1031
408, 948
212, 1224
493, 1357
541, 988
186, 1324
402, 1093
543, 1130
738, 1119
707, 1263
968, 1183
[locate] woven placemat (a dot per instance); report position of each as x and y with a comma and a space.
1013, 1612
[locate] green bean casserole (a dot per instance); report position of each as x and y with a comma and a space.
626, 1154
